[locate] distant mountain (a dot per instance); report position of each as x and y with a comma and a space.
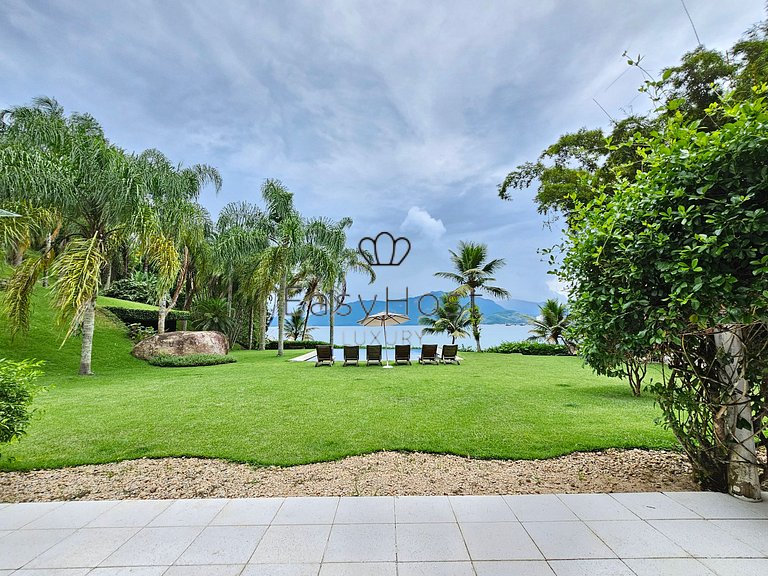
355, 310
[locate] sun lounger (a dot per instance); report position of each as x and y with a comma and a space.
324, 356
428, 354
373, 354
448, 355
351, 355
402, 354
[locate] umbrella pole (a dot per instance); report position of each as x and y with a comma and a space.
386, 352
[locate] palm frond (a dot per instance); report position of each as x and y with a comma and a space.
18, 292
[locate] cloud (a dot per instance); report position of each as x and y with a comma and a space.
557, 286
419, 221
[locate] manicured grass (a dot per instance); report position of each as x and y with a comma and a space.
118, 303
266, 410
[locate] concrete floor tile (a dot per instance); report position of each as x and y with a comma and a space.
307, 511
499, 541
248, 512
516, 568
668, 567
361, 543
19, 515
130, 513
596, 507
481, 509
223, 545
87, 547
129, 571
359, 569
22, 546
703, 539
636, 539
751, 532
292, 545
420, 509
281, 570
590, 568
48, 572
539, 508
430, 542
72, 515
207, 570
737, 566
366, 510
154, 546
435, 569
189, 513
654, 506
715, 505
567, 541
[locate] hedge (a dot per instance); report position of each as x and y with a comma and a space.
295, 344
530, 349
136, 316
168, 361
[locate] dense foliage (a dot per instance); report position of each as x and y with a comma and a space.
145, 317
190, 360
17, 390
530, 349
295, 344
138, 287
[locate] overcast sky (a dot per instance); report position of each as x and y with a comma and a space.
403, 115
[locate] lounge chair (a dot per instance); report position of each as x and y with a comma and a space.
324, 356
428, 354
373, 354
351, 355
402, 353
448, 355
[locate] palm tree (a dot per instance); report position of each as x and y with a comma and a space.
295, 324
472, 273
66, 164
449, 317
551, 323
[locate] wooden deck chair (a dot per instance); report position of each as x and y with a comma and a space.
324, 356
373, 354
428, 354
402, 354
351, 355
448, 355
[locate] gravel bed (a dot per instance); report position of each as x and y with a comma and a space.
378, 474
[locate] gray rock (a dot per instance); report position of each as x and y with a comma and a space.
181, 344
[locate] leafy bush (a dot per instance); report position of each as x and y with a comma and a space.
17, 390
210, 314
295, 344
139, 287
530, 349
168, 361
145, 317
138, 332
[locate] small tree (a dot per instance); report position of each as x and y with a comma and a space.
449, 317
17, 390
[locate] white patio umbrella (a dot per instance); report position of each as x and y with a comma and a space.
384, 319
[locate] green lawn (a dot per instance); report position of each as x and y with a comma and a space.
266, 410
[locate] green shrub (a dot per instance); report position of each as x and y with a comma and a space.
211, 314
168, 361
17, 390
295, 344
138, 332
530, 349
139, 287
134, 316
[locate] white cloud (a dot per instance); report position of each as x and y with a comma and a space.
557, 286
419, 221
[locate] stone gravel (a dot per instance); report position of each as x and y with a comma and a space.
378, 474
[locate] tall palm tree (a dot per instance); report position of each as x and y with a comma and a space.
295, 324
65, 163
449, 317
473, 273
551, 323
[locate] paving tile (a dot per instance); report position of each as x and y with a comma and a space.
418, 509
596, 507
189, 513
654, 506
359, 569
738, 566
539, 508
636, 539
668, 567
720, 506
87, 547
72, 515
590, 568
499, 541
129, 571
223, 545
366, 510
567, 540
751, 532
281, 570
307, 511
154, 546
24, 545
292, 544
207, 570
5, 532
48, 572
361, 543
18, 515
130, 513
248, 512
430, 542
435, 569
703, 539
517, 568
481, 509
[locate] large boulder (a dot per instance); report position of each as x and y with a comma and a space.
182, 344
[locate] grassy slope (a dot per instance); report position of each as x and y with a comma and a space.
118, 303
269, 411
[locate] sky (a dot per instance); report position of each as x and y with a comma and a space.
403, 115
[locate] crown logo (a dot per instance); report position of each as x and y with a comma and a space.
384, 249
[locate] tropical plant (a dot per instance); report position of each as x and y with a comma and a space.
473, 273
449, 317
210, 314
17, 390
551, 323
140, 286
295, 326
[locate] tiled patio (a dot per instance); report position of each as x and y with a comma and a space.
654, 534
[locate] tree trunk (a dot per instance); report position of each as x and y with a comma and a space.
331, 316
475, 320
306, 319
108, 281
167, 302
229, 296
48, 242
250, 326
281, 297
743, 473
89, 321
262, 326
162, 313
